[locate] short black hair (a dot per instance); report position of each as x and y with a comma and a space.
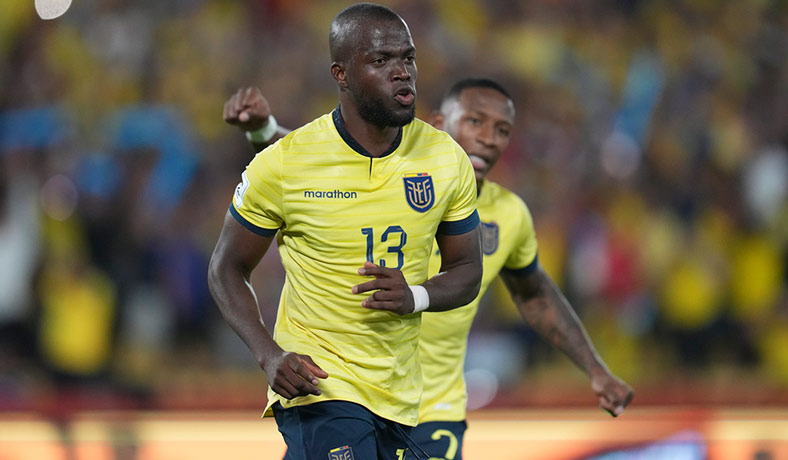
457, 88
345, 26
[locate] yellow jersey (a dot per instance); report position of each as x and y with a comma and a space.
334, 207
508, 242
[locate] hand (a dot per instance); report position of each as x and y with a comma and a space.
614, 394
291, 374
247, 109
392, 292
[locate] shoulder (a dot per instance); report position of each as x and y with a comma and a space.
426, 142
504, 198
316, 130
419, 131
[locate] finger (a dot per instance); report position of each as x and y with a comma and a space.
386, 305
249, 96
227, 114
234, 106
252, 101
628, 399
377, 271
293, 383
306, 388
238, 101
367, 265
283, 387
608, 407
305, 381
368, 286
314, 368
370, 301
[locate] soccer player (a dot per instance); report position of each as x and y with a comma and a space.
479, 114
355, 199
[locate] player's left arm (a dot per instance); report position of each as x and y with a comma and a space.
457, 284
547, 311
460, 275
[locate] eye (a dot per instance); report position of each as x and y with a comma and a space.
379, 61
504, 132
410, 59
474, 121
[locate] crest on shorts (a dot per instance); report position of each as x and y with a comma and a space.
341, 453
419, 191
489, 237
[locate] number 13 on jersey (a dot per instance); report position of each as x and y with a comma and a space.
388, 239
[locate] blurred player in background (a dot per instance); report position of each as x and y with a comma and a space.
479, 114
360, 193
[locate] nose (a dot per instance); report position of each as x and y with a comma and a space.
401, 71
486, 134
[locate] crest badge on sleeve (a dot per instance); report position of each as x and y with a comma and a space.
419, 191
489, 237
240, 190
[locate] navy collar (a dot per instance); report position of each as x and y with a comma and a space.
353, 144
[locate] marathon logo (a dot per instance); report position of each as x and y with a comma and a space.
330, 194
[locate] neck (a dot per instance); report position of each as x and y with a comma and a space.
375, 139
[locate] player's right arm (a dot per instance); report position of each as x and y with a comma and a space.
237, 253
249, 111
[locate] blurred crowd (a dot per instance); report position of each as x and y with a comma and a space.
651, 147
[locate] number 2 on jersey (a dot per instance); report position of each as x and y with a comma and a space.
388, 236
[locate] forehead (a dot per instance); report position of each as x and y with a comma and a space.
383, 35
487, 100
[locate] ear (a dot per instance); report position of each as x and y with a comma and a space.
338, 72
436, 119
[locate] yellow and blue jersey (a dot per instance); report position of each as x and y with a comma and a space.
508, 243
335, 206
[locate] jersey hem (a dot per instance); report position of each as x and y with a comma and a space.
250, 226
459, 227
269, 412
527, 270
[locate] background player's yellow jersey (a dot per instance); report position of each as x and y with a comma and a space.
335, 207
508, 242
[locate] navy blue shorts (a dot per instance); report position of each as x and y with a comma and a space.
340, 430
441, 440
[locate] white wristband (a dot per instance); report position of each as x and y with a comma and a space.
421, 298
264, 134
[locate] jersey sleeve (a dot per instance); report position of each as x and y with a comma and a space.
257, 202
461, 216
524, 254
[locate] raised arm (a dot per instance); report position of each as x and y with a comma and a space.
249, 111
546, 310
237, 253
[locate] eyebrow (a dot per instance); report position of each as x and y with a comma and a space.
479, 112
390, 51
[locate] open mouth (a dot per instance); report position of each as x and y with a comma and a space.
478, 162
405, 96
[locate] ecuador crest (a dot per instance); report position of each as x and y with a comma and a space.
489, 237
341, 453
419, 191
